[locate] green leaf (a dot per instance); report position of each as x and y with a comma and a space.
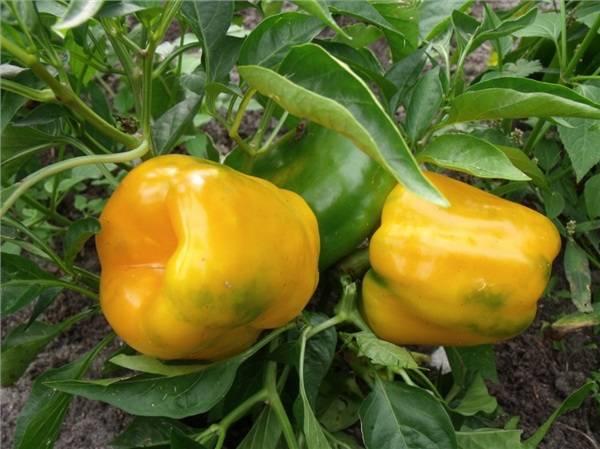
147, 364
472, 155
573, 402
180, 440
381, 352
548, 153
318, 357
577, 321
77, 13
404, 74
505, 28
77, 234
546, 25
23, 343
424, 104
591, 194
508, 97
171, 397
434, 17
315, 85
489, 439
581, 143
520, 160
467, 362
18, 145
320, 10
210, 21
554, 202
38, 425
577, 271
271, 40
476, 399
398, 416
315, 438
148, 432
362, 35
170, 126
20, 283
265, 432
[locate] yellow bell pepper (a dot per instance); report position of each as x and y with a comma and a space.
464, 275
197, 259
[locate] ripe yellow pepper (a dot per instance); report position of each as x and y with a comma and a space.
464, 275
197, 259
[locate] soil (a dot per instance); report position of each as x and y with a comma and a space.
535, 373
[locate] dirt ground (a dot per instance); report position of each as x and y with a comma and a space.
536, 374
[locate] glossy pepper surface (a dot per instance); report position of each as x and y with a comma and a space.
344, 187
197, 259
464, 275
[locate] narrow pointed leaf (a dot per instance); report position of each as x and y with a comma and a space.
338, 99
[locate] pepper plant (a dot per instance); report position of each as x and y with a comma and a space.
353, 97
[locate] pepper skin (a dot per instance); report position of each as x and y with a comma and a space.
464, 275
197, 259
344, 187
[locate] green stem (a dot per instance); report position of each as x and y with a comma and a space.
460, 66
287, 136
582, 47
40, 95
66, 95
279, 409
563, 35
154, 40
282, 120
333, 321
538, 131
356, 264
263, 125
40, 243
60, 219
58, 283
233, 131
178, 51
585, 78
68, 164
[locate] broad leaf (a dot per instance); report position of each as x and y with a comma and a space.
320, 10
77, 234
520, 160
179, 440
389, 420
467, 362
476, 399
505, 28
23, 343
150, 365
38, 425
381, 352
78, 13
591, 194
577, 271
169, 127
573, 402
546, 25
21, 283
148, 432
171, 397
424, 104
265, 432
271, 40
489, 439
517, 98
209, 21
337, 99
472, 155
577, 321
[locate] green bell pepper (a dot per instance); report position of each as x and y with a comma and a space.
344, 187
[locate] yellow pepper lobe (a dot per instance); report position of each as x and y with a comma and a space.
464, 275
197, 259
